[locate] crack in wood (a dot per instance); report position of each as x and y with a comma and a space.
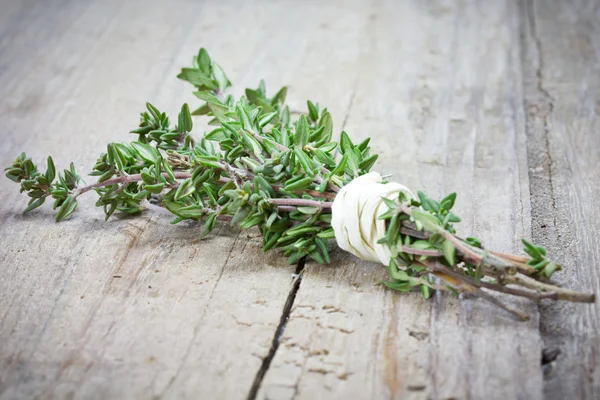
548, 102
287, 309
350, 103
545, 213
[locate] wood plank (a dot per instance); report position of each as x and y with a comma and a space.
445, 113
279, 59
562, 64
134, 307
137, 308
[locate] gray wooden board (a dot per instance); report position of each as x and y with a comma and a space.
561, 64
495, 100
442, 126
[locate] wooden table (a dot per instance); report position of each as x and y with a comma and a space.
497, 100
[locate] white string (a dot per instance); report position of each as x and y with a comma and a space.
354, 216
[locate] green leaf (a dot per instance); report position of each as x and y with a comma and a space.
387, 215
272, 218
323, 185
328, 147
299, 184
302, 133
208, 162
114, 157
216, 134
396, 273
186, 212
422, 245
531, 249
109, 210
219, 111
33, 204
448, 202
202, 110
550, 268
174, 135
153, 111
393, 231
232, 127
473, 241
429, 222
266, 118
210, 190
315, 135
203, 61
262, 88
252, 95
352, 164
426, 291
264, 185
220, 76
67, 208
279, 97
327, 234
399, 286
197, 78
366, 164
50, 171
451, 217
541, 250
269, 240
193, 211
240, 215
186, 188
147, 152
391, 204
142, 130
244, 116
324, 158
313, 112
308, 210
251, 143
169, 171
364, 144
14, 174
186, 118
538, 263
345, 143
207, 96
304, 161
428, 203
340, 167
327, 123
209, 225
156, 188
449, 252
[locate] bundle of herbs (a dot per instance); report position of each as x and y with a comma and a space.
260, 168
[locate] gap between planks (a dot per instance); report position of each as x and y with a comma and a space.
285, 314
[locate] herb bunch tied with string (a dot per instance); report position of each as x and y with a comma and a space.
260, 168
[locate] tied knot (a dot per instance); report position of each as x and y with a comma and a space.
355, 213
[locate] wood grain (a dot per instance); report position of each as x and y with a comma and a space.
495, 100
440, 125
133, 307
562, 87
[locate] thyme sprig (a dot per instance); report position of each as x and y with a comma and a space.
260, 168
424, 243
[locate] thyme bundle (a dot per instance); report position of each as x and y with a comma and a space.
261, 168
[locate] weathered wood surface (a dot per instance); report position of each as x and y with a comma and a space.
561, 56
496, 100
